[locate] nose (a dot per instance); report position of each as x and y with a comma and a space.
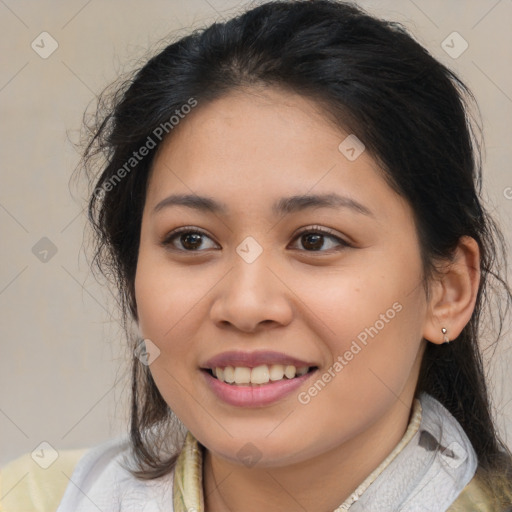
252, 296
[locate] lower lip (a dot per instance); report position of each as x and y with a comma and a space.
256, 395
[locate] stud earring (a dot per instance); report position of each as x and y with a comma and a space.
445, 336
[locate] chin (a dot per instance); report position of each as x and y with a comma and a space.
259, 452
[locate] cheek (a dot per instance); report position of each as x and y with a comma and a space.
166, 293
173, 305
369, 314
167, 303
360, 297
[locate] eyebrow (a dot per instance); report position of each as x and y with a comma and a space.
285, 205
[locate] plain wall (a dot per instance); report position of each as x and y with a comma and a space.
63, 366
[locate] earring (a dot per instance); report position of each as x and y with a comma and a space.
445, 336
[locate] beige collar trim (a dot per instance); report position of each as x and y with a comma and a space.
412, 428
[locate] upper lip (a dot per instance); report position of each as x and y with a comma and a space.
253, 359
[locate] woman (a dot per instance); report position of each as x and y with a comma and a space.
290, 207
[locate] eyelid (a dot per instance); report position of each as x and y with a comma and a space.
166, 241
324, 231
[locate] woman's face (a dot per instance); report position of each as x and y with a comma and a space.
332, 282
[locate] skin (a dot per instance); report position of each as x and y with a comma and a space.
247, 150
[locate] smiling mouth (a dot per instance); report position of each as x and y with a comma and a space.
259, 375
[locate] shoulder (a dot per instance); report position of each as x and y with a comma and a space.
476, 497
79, 478
102, 477
27, 485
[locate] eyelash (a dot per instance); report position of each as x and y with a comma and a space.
317, 230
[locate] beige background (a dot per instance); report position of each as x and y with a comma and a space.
62, 374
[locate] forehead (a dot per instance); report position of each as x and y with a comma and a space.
261, 145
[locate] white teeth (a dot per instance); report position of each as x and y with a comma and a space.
242, 375
276, 372
258, 375
229, 374
290, 371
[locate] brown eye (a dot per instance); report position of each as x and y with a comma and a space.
186, 239
316, 240
191, 241
312, 241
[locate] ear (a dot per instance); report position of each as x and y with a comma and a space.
453, 294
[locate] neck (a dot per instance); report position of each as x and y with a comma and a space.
321, 483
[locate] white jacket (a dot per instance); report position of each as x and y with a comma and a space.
426, 471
